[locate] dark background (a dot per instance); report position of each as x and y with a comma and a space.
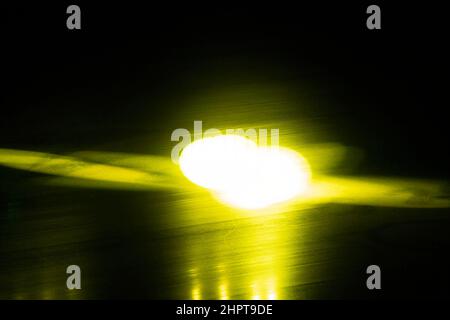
387, 85
66, 90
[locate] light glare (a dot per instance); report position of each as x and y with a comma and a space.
242, 174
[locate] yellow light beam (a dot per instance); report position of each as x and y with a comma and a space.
131, 171
75, 168
381, 192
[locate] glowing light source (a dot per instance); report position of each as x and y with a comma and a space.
243, 174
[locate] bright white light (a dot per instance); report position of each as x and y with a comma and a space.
243, 174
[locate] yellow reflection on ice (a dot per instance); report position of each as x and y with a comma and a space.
196, 293
223, 291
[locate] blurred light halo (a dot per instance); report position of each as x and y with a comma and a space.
244, 175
